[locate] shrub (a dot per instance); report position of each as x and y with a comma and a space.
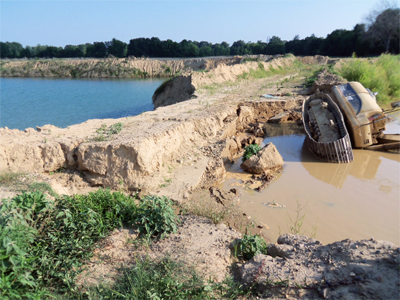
249, 246
44, 243
156, 217
382, 76
250, 150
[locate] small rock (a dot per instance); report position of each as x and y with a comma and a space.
358, 270
358, 278
352, 274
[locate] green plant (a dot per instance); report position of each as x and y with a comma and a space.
250, 150
381, 75
52, 239
295, 224
165, 278
155, 217
104, 133
40, 187
18, 222
249, 246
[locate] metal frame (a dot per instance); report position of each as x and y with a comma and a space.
339, 151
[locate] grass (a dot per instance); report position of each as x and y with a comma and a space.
262, 72
44, 245
165, 278
15, 182
104, 133
10, 178
204, 206
295, 224
381, 75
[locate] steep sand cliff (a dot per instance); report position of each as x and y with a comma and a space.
129, 67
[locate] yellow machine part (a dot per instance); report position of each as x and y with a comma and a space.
363, 117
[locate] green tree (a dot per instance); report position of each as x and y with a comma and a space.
275, 46
117, 48
384, 26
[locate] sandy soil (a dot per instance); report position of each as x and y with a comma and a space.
178, 151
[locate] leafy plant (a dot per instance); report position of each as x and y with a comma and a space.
250, 150
40, 187
44, 243
155, 217
249, 246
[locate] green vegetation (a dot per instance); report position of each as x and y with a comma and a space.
9, 178
21, 183
249, 246
381, 75
104, 133
250, 150
166, 279
155, 217
44, 243
261, 72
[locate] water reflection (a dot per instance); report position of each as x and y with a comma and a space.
274, 130
365, 166
356, 200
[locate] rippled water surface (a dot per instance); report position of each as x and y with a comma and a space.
31, 102
357, 200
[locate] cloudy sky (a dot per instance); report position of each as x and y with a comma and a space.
60, 23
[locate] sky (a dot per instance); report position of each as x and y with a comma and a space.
73, 22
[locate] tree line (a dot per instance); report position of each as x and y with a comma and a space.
380, 34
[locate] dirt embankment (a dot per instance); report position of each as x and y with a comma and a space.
177, 150
299, 267
152, 149
183, 87
129, 67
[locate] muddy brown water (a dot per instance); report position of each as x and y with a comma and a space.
357, 200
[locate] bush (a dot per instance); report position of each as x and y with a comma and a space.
44, 243
382, 76
156, 217
249, 246
250, 150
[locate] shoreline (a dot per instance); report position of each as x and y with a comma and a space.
180, 151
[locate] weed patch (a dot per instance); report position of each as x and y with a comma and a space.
156, 218
249, 246
10, 178
104, 133
165, 279
250, 150
50, 240
381, 75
